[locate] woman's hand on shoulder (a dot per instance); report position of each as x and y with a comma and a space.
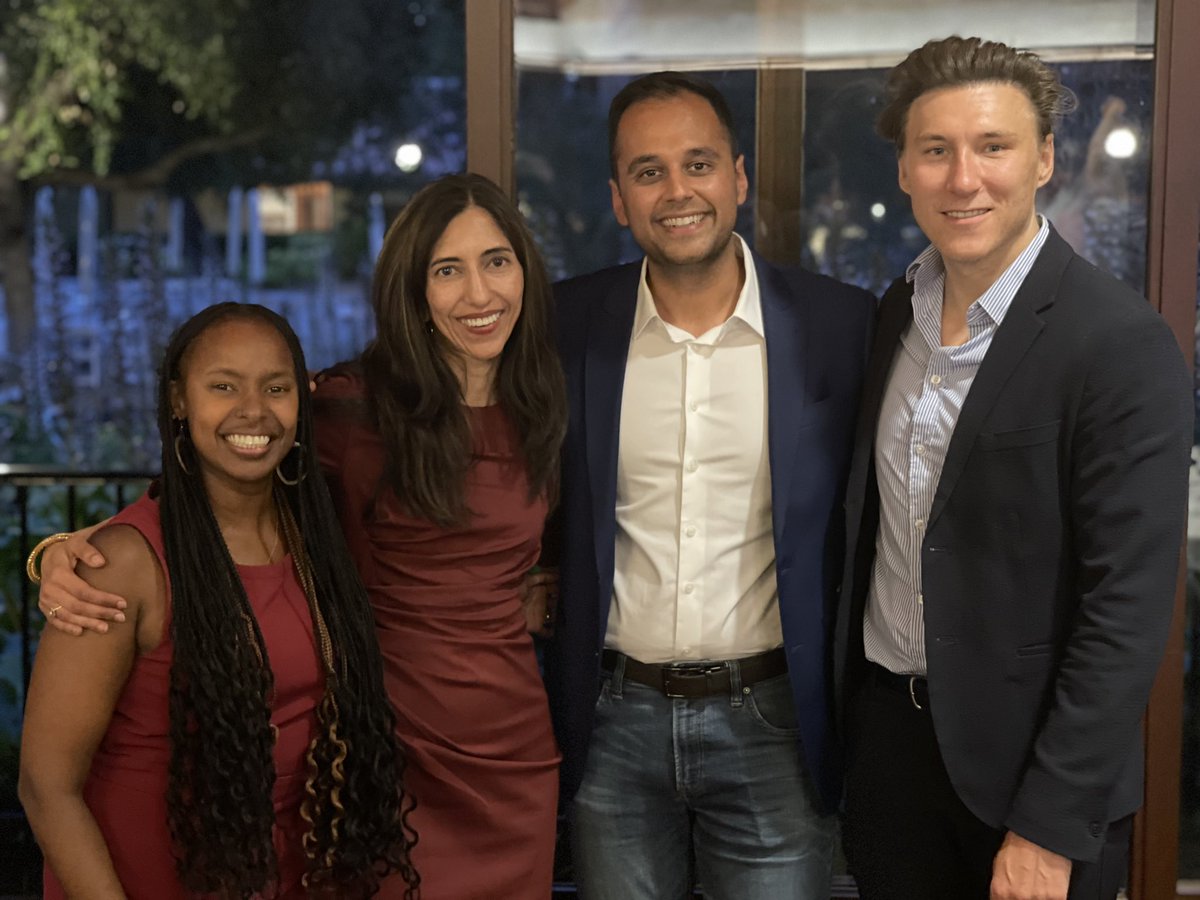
70, 602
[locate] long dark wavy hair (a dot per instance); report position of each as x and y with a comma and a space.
413, 394
221, 771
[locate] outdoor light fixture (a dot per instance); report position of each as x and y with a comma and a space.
408, 157
1121, 143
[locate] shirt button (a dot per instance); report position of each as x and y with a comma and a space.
689, 588
920, 599
920, 523
693, 406
690, 531
692, 465
919, 449
935, 379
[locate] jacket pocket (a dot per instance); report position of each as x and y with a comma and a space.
1019, 437
1031, 660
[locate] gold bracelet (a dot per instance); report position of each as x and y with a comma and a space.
31, 566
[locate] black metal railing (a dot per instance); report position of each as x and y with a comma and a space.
110, 491
36, 501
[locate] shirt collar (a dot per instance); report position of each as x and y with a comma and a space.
928, 271
747, 310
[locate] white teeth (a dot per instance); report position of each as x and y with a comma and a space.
680, 221
481, 321
248, 441
965, 214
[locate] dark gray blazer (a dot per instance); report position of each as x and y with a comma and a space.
1051, 551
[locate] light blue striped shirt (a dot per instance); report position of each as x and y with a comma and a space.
926, 388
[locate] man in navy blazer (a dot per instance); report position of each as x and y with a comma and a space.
1015, 511
712, 401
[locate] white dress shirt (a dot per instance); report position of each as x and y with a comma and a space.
926, 389
695, 553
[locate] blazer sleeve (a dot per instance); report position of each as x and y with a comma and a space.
1126, 507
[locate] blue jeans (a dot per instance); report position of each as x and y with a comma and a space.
719, 776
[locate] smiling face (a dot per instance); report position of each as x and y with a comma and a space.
237, 392
678, 186
972, 163
474, 288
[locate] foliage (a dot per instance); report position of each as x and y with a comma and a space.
72, 64
153, 94
296, 260
110, 87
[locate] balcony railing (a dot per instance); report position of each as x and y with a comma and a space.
41, 500
35, 501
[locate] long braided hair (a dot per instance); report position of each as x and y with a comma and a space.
221, 771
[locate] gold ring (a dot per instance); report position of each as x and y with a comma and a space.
50, 615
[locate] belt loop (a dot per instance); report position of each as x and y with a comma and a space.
912, 690
736, 693
617, 682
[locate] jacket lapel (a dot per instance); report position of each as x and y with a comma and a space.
610, 327
1022, 324
895, 313
787, 356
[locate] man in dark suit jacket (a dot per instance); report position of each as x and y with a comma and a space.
1015, 513
712, 401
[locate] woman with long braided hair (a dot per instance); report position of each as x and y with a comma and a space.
237, 739
440, 444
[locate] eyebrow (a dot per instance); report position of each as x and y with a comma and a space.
693, 153
234, 373
441, 261
934, 136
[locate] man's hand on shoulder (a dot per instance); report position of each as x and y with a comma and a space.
1023, 870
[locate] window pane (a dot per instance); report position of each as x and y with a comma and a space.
572, 56
856, 219
563, 171
1189, 776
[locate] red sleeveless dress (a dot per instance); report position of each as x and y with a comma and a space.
459, 664
127, 788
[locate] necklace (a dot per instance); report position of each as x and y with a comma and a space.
274, 546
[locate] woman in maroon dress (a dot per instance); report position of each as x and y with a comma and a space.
233, 738
440, 444
441, 447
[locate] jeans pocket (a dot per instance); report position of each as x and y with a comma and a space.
771, 706
605, 698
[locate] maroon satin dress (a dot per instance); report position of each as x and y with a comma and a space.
126, 789
459, 664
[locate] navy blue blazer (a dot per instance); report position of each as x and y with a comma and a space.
1050, 553
817, 337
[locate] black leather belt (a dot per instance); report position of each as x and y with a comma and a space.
914, 687
702, 679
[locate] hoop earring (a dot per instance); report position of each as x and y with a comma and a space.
178, 454
301, 469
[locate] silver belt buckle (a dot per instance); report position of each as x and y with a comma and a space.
685, 670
